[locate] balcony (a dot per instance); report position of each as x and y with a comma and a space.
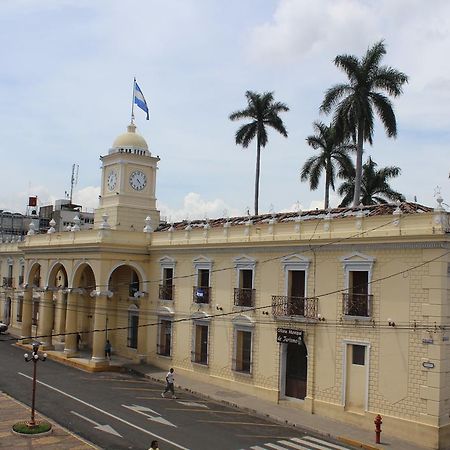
7, 282
283, 306
201, 294
244, 297
166, 291
357, 305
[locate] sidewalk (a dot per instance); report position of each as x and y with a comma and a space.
317, 424
12, 411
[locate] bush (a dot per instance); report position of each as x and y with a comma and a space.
24, 428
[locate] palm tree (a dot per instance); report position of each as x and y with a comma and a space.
367, 92
263, 111
375, 187
333, 157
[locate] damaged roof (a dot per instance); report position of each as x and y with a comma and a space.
364, 211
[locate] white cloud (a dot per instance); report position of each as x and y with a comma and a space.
195, 207
87, 197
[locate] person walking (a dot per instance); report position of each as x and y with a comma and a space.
154, 445
170, 379
108, 348
78, 341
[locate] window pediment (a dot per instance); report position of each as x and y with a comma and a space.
202, 262
295, 262
167, 261
358, 261
244, 262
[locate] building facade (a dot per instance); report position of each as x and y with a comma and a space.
343, 313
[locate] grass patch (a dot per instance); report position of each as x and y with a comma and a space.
24, 428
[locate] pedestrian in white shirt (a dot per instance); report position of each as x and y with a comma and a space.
170, 378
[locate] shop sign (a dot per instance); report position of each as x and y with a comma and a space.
289, 336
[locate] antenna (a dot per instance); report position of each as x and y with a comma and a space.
73, 180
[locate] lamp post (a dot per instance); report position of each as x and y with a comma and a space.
35, 357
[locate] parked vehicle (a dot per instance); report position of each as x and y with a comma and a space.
3, 327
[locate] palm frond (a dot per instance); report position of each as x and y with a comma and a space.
333, 96
389, 80
385, 111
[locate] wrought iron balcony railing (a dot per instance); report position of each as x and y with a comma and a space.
244, 297
166, 291
294, 306
357, 305
7, 282
201, 294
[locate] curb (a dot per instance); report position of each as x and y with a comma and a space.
71, 363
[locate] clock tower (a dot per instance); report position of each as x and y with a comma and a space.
128, 184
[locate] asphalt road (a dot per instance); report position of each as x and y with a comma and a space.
123, 411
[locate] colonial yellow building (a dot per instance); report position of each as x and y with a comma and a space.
342, 312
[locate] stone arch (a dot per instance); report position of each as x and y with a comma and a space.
143, 282
76, 279
53, 271
34, 274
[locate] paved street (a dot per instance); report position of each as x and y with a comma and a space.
121, 411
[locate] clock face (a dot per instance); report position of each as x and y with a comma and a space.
112, 180
138, 180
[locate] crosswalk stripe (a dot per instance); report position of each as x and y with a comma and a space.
296, 446
256, 447
276, 447
320, 441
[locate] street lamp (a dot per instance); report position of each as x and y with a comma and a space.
35, 357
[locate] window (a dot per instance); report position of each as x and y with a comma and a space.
202, 289
357, 300
19, 309
200, 343
164, 346
166, 288
35, 312
134, 284
359, 355
133, 326
22, 275
7, 311
243, 349
244, 293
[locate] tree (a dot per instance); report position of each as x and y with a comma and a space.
333, 158
355, 103
375, 187
263, 112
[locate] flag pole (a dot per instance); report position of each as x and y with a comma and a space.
132, 102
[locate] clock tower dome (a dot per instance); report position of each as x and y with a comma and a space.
128, 183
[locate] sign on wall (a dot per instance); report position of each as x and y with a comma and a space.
289, 336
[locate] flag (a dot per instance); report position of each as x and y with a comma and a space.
139, 98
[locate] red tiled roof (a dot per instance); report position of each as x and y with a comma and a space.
370, 210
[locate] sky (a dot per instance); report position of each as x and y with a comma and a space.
66, 87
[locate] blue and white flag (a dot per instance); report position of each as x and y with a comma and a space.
139, 98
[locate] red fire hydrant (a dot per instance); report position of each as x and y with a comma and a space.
377, 423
